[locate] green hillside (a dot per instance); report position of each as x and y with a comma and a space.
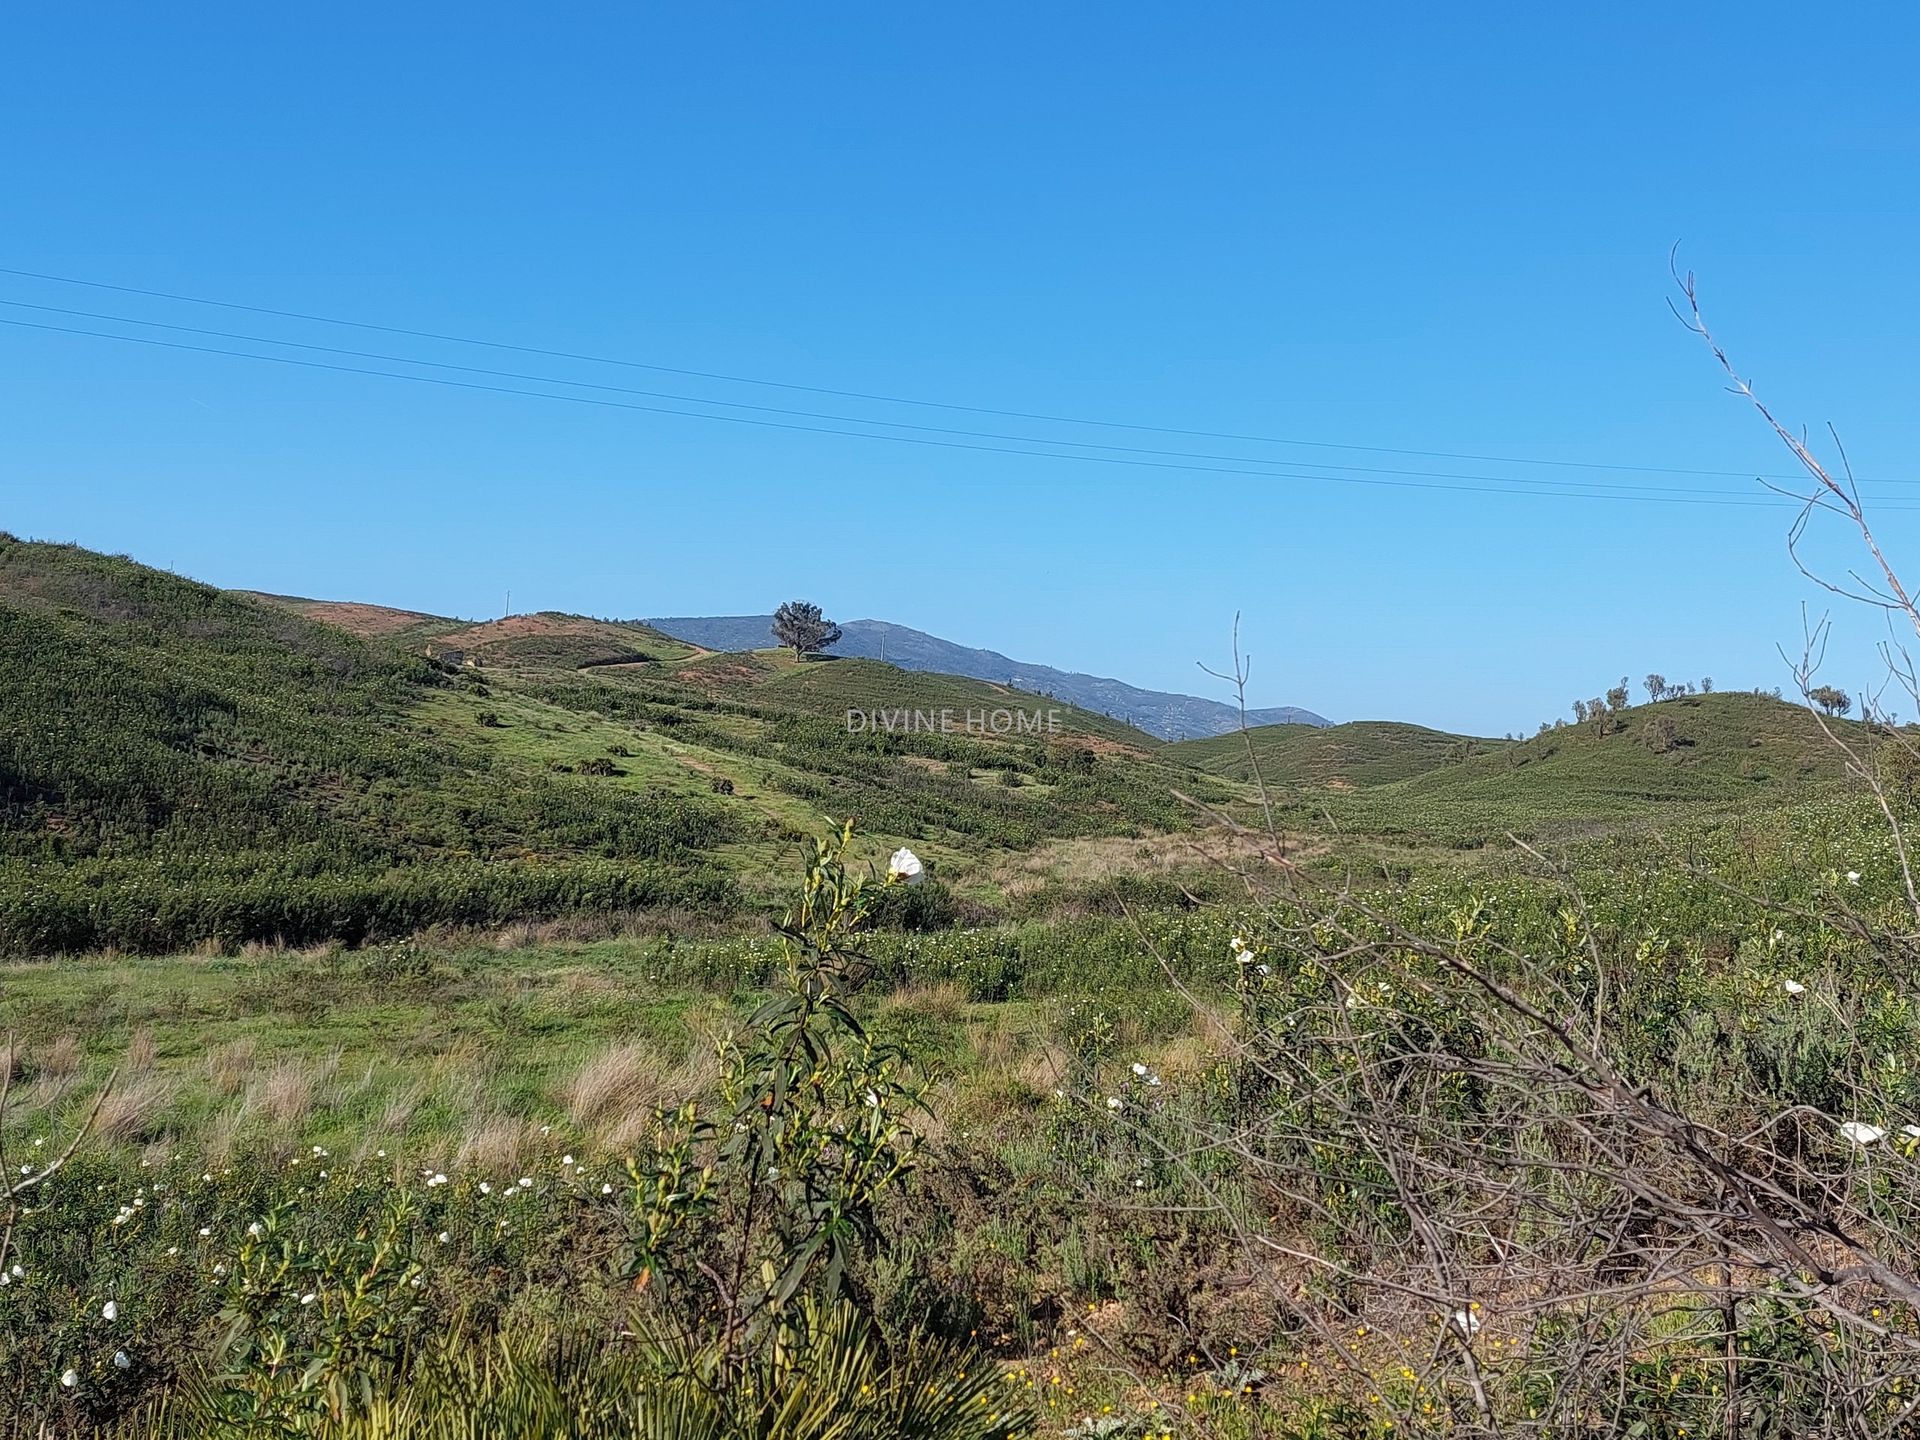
181, 763
1695, 757
1356, 755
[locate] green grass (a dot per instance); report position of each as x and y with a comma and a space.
1356, 755
1730, 753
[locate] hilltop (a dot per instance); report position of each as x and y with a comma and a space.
1161, 713
1696, 757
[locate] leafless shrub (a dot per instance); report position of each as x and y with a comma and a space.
1434, 1151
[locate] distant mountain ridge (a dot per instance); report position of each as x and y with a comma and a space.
1158, 712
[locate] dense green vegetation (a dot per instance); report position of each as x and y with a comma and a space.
180, 763
1052, 1076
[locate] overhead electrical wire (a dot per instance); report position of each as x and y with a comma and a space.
1587, 490
836, 419
873, 397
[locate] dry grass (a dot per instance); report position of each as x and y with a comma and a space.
61, 1057
140, 1052
401, 1107
941, 1001
497, 1142
613, 1096
135, 1108
284, 1094
229, 1065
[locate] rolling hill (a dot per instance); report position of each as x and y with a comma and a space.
1355, 755
1161, 713
1692, 758
180, 763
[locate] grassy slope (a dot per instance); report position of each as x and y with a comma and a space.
183, 762
1732, 751
1356, 755
176, 761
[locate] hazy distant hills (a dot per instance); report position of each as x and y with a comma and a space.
1158, 712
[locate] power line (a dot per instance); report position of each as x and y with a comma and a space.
1589, 490
874, 397
836, 419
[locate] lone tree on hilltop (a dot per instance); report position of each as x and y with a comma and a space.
1831, 700
1656, 686
801, 627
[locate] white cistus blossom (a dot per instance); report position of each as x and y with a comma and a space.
1793, 987
906, 866
1466, 1322
1861, 1133
110, 1311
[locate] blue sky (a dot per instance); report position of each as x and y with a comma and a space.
1408, 227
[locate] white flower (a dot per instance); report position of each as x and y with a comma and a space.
69, 1378
526, 1182
485, 1188
308, 1298
445, 1237
905, 865
1853, 877
256, 1230
1466, 1322
1113, 1102
1912, 1132
122, 1360
566, 1159
110, 1311
1793, 987
1138, 1068
1862, 1133
606, 1189
1238, 944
